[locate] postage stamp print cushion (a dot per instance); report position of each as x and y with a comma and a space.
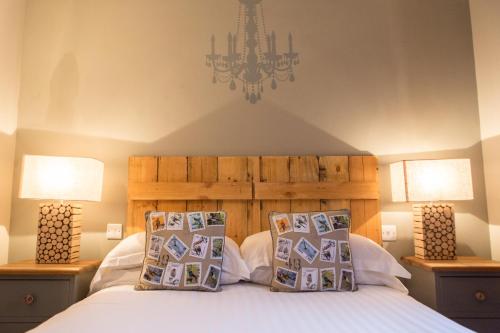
183, 251
311, 251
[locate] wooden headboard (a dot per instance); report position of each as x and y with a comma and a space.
249, 187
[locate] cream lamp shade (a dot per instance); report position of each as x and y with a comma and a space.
61, 178
431, 180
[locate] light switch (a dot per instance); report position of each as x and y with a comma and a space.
389, 233
114, 231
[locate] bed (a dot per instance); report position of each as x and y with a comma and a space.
247, 307
248, 188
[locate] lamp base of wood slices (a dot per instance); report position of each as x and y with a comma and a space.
434, 231
59, 230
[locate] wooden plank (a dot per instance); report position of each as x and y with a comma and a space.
316, 191
140, 169
190, 191
172, 169
234, 170
202, 169
202, 175
304, 169
334, 169
356, 174
372, 207
273, 169
253, 206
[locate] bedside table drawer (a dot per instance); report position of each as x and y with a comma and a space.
470, 296
35, 298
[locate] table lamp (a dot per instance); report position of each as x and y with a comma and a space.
433, 182
60, 179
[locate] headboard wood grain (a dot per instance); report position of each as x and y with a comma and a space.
248, 188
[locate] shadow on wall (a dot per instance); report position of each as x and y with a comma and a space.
7, 149
232, 130
63, 92
491, 147
238, 129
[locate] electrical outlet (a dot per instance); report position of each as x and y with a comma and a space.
114, 231
389, 233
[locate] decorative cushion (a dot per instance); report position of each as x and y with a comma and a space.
372, 263
311, 251
183, 251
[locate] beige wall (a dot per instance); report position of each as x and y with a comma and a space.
485, 15
11, 24
110, 79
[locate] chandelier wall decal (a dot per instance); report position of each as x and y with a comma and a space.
249, 61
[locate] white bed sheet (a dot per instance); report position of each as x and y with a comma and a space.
247, 307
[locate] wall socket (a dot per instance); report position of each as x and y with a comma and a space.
114, 231
389, 233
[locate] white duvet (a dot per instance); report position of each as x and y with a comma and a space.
246, 307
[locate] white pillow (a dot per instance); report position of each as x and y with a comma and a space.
379, 279
369, 256
109, 277
129, 253
263, 275
123, 264
372, 263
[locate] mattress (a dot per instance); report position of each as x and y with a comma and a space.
246, 307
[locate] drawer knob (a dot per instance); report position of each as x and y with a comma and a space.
480, 296
29, 299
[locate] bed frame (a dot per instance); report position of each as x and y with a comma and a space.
249, 187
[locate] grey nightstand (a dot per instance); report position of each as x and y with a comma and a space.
31, 293
466, 290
